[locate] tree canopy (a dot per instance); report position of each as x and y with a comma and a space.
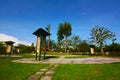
64, 30
99, 35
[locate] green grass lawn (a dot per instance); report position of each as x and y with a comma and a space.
28, 55
20, 71
17, 71
88, 72
77, 56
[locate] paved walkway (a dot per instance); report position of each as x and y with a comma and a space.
44, 73
62, 60
47, 72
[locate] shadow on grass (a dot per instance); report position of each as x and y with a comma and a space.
51, 56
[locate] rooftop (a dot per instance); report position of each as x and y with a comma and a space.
41, 32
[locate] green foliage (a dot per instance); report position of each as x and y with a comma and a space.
2, 48
67, 29
99, 35
60, 32
75, 42
87, 72
84, 47
64, 30
113, 49
26, 49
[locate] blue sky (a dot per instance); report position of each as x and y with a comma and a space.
20, 18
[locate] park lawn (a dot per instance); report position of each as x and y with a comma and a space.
17, 71
77, 56
28, 55
87, 72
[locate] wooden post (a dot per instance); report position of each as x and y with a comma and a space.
38, 46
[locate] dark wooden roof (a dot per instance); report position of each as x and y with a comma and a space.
92, 46
9, 42
41, 32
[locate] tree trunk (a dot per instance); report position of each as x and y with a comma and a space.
49, 43
102, 51
65, 44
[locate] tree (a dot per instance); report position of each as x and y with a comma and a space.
75, 42
32, 47
64, 31
83, 46
48, 29
113, 38
26, 49
113, 49
53, 45
2, 48
99, 35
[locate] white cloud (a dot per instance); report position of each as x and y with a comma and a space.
4, 37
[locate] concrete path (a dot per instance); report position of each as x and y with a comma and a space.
62, 60
39, 73
44, 73
47, 72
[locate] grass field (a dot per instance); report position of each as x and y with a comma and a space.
88, 72
77, 56
20, 71
27, 55
17, 71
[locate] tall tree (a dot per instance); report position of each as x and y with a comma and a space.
64, 31
75, 42
99, 35
113, 38
48, 29
32, 48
